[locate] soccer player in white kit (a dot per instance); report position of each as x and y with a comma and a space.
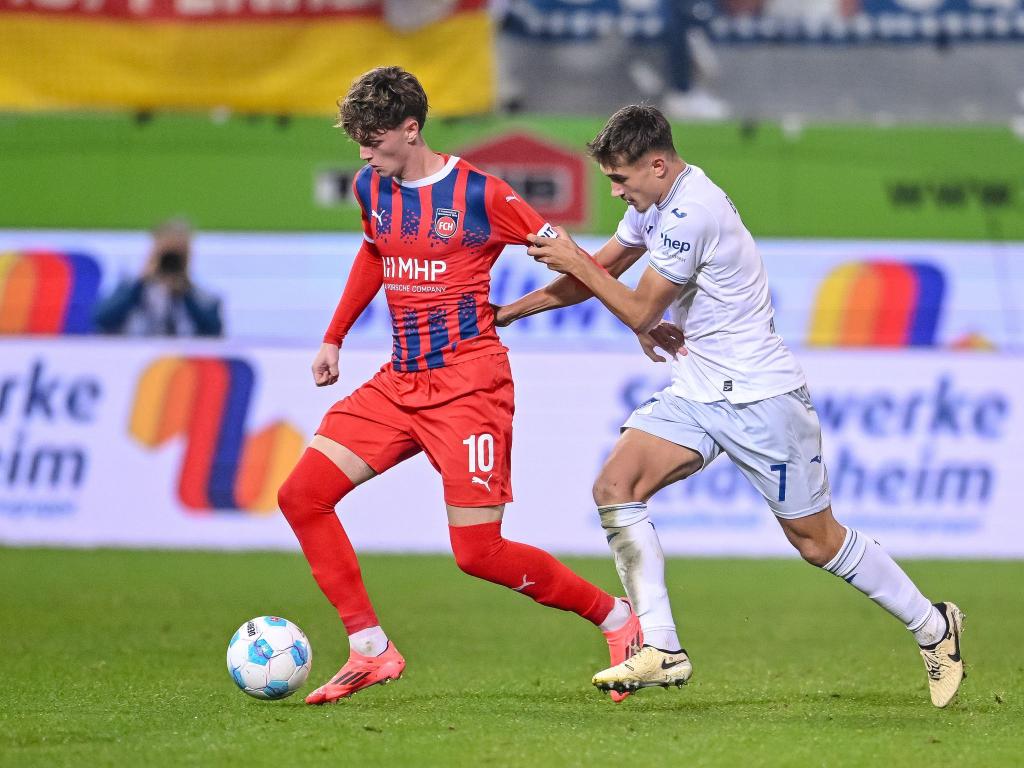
736, 389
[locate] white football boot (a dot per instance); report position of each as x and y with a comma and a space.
942, 661
646, 669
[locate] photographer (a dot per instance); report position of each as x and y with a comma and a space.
163, 301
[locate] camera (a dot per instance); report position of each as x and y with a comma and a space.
171, 263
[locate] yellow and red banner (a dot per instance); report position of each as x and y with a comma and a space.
276, 56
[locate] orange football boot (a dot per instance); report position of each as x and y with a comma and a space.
360, 672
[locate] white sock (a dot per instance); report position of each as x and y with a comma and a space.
933, 629
641, 566
369, 642
862, 563
617, 616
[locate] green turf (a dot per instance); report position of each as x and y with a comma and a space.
117, 658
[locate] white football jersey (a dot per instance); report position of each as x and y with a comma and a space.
696, 239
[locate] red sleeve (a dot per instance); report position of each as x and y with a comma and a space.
364, 280
364, 172
512, 218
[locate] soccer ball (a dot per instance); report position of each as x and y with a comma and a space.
269, 657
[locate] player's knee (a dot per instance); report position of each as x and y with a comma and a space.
469, 560
289, 497
613, 488
475, 547
814, 551
474, 560
298, 499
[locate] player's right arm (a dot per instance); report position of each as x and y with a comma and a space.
364, 280
566, 290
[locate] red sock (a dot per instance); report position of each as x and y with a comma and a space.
481, 551
308, 498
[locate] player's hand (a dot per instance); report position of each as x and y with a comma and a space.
667, 336
560, 254
502, 317
325, 365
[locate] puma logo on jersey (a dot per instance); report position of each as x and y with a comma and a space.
485, 483
678, 214
524, 585
510, 198
378, 216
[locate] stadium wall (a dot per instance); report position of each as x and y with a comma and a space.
98, 171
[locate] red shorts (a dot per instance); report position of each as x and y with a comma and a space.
460, 416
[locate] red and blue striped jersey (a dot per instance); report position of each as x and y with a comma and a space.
437, 239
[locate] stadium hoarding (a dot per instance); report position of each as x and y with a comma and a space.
827, 293
850, 22
873, 21
243, 173
263, 57
162, 444
550, 177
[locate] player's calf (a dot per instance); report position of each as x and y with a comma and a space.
481, 551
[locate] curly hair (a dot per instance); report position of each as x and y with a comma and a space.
380, 100
630, 134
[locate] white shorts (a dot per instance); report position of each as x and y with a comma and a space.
775, 442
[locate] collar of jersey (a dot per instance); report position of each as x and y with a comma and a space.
675, 186
432, 178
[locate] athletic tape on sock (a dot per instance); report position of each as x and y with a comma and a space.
622, 515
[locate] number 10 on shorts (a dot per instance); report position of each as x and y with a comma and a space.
481, 452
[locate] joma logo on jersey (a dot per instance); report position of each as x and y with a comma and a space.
678, 246
413, 269
446, 222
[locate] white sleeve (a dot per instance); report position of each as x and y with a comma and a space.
687, 237
629, 231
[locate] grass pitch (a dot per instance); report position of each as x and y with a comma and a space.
117, 658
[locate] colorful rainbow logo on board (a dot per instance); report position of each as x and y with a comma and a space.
878, 304
45, 292
206, 400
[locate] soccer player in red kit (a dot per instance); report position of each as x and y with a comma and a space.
433, 226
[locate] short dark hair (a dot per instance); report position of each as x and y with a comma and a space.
630, 134
380, 100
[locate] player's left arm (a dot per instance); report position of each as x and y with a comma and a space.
566, 290
685, 240
640, 309
514, 221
